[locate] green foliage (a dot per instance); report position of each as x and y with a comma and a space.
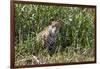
76, 35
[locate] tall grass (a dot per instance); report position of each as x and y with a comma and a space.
75, 40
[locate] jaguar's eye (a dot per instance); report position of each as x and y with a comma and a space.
53, 26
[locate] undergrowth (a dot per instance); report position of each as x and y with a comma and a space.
75, 41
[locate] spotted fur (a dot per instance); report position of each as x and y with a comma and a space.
48, 36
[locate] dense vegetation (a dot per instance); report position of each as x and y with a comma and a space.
75, 41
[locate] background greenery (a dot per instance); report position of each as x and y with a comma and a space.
75, 41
